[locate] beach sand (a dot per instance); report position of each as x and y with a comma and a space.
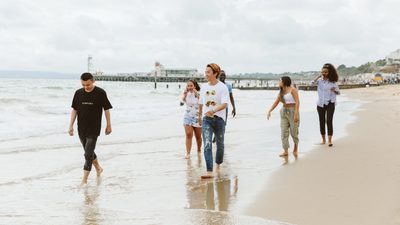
355, 182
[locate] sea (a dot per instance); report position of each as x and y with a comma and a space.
146, 179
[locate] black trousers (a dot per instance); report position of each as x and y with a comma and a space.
326, 117
89, 144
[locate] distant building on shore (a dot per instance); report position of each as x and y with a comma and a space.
392, 63
393, 58
161, 71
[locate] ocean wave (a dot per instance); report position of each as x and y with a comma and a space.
41, 176
66, 169
52, 147
41, 110
52, 96
171, 93
14, 100
43, 134
53, 88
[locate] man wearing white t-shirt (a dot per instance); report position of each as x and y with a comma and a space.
214, 98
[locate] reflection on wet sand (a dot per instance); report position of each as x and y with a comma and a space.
206, 217
220, 194
209, 201
215, 194
90, 210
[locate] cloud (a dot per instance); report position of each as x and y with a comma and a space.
241, 35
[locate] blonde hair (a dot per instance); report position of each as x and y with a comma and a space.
215, 68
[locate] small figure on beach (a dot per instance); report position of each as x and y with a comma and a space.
192, 118
328, 89
290, 116
214, 98
88, 104
222, 78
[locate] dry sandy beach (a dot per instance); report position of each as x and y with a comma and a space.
355, 182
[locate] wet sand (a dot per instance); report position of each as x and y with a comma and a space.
355, 182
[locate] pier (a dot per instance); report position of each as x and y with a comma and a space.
240, 83
147, 79
310, 87
236, 81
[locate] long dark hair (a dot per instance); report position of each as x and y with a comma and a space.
333, 75
287, 82
196, 85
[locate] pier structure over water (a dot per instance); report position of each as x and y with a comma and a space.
161, 74
158, 74
143, 77
241, 83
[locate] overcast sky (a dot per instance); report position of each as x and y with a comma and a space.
240, 35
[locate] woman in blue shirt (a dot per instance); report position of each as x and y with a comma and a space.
327, 90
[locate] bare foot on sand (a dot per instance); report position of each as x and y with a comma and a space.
99, 171
83, 184
85, 178
284, 154
98, 180
295, 150
323, 142
208, 175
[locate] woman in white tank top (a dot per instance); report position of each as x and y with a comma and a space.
290, 118
192, 121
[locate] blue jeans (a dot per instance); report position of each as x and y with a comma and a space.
214, 125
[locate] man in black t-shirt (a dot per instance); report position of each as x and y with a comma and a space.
88, 105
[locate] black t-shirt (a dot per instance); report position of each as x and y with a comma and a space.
90, 107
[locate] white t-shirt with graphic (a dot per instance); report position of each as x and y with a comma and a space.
212, 96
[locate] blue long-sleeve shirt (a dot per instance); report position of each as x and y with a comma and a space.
325, 94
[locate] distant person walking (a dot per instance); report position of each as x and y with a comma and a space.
222, 78
214, 97
327, 90
290, 118
88, 104
192, 118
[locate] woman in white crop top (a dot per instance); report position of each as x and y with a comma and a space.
192, 118
290, 119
